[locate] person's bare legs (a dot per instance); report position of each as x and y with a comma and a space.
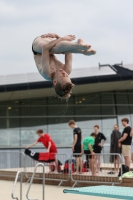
50, 171
114, 164
87, 52
69, 46
132, 157
118, 163
97, 162
92, 166
77, 165
127, 161
80, 165
56, 165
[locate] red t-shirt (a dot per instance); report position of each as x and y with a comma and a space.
45, 140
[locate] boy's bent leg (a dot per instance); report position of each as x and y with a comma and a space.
68, 46
87, 52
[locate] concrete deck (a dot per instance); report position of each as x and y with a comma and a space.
51, 192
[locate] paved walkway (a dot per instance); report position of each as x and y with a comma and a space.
51, 192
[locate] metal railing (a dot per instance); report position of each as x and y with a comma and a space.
11, 161
60, 176
19, 174
104, 175
34, 170
43, 180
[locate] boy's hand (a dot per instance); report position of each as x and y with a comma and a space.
51, 35
27, 147
93, 153
100, 145
69, 37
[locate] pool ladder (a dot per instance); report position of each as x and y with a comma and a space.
19, 174
31, 181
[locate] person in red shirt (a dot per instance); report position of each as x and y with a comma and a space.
46, 140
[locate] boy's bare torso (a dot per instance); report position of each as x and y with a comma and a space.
54, 63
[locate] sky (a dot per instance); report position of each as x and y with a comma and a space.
105, 24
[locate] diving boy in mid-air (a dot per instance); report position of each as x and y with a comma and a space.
44, 47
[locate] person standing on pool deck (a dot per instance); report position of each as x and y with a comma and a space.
98, 146
132, 146
88, 144
115, 136
125, 141
46, 140
45, 46
77, 146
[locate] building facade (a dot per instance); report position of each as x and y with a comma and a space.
27, 102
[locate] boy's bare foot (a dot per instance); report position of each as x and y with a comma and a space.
49, 172
82, 46
94, 174
89, 52
76, 173
55, 172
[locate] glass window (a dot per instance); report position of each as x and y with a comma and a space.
130, 98
131, 122
3, 123
3, 111
9, 137
88, 105
58, 107
13, 110
33, 121
107, 104
33, 110
88, 123
108, 123
60, 132
61, 136
28, 136
122, 103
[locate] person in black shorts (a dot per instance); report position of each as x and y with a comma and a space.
77, 146
98, 146
88, 144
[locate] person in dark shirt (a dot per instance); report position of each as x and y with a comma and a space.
114, 149
125, 141
98, 146
77, 146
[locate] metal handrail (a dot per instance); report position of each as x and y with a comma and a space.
97, 181
43, 181
14, 185
61, 178
20, 158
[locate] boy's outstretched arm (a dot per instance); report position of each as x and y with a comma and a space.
31, 145
52, 35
